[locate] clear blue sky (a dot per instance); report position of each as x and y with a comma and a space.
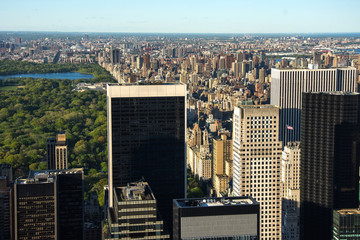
184, 16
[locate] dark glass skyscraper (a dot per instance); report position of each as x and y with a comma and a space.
329, 166
49, 205
146, 138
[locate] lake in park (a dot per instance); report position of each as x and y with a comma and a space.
68, 75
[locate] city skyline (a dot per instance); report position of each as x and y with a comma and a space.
209, 16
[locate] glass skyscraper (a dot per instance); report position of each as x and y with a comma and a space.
146, 138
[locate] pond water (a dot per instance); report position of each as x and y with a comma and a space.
68, 75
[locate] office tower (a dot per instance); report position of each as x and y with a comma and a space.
244, 68
329, 165
346, 224
115, 56
262, 75
147, 60
216, 218
139, 62
134, 215
317, 58
240, 57
57, 157
290, 172
257, 162
236, 66
49, 205
222, 164
193, 62
228, 61
288, 85
222, 63
146, 138
215, 63
5, 201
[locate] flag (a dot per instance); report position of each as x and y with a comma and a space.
289, 127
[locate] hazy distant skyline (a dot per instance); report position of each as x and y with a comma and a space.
197, 16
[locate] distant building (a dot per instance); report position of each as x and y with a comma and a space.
329, 164
216, 218
346, 224
222, 164
257, 163
49, 205
134, 215
115, 56
287, 85
57, 156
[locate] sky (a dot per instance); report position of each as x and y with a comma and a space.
183, 16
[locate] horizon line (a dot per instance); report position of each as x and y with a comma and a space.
94, 32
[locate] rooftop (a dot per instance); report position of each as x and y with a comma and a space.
135, 191
46, 176
339, 93
213, 202
348, 211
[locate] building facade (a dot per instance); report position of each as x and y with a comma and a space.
57, 156
134, 215
290, 177
146, 138
5, 201
257, 162
49, 205
287, 86
222, 157
329, 165
346, 224
216, 218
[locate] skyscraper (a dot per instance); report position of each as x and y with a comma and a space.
216, 218
49, 205
57, 152
257, 162
329, 166
115, 56
146, 138
287, 85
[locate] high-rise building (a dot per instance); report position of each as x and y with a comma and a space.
115, 56
57, 157
317, 58
257, 162
287, 85
134, 215
139, 62
262, 75
147, 60
291, 191
222, 63
5, 201
329, 165
49, 205
346, 224
216, 218
146, 138
222, 164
